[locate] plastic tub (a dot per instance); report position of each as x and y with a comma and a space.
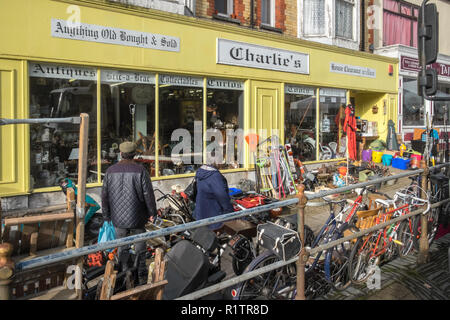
386, 159
367, 155
400, 163
376, 156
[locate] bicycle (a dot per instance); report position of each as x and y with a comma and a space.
379, 245
281, 283
435, 194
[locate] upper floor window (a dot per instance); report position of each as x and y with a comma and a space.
313, 17
268, 12
344, 18
400, 23
224, 7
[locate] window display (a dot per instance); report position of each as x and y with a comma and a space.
128, 114
58, 91
331, 103
441, 107
413, 110
300, 121
180, 124
225, 111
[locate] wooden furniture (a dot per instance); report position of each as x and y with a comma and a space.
31, 233
153, 290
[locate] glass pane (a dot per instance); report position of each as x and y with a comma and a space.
344, 19
413, 111
313, 17
266, 12
58, 91
441, 109
225, 121
392, 5
128, 114
331, 107
300, 123
221, 6
180, 124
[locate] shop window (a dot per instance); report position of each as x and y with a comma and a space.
180, 124
440, 108
413, 110
331, 106
225, 111
128, 114
344, 18
300, 121
58, 91
313, 17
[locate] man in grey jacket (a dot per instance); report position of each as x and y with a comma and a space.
129, 202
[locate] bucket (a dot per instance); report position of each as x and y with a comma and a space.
376, 156
367, 155
386, 159
417, 156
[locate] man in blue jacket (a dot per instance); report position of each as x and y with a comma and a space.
213, 197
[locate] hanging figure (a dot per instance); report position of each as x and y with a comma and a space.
350, 130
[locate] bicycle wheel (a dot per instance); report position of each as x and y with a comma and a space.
359, 262
273, 285
337, 258
405, 235
432, 227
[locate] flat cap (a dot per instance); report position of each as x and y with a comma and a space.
127, 147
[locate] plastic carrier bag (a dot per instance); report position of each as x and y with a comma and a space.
107, 233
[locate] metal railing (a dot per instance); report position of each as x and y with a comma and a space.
301, 200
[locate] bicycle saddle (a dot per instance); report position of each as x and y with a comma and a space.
385, 203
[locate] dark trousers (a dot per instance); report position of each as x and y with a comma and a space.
139, 247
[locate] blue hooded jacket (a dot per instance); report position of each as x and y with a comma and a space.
213, 197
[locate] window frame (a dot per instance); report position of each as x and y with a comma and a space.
230, 9
399, 13
353, 4
272, 14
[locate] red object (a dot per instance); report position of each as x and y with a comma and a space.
252, 140
391, 70
250, 202
342, 171
95, 259
350, 130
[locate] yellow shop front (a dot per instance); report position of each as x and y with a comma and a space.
158, 79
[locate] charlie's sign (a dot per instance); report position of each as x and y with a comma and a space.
95, 33
253, 56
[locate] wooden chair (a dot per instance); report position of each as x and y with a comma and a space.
32, 233
153, 290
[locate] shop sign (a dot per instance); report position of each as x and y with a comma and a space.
254, 56
115, 76
353, 70
225, 84
43, 70
299, 90
102, 34
183, 81
331, 92
412, 64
